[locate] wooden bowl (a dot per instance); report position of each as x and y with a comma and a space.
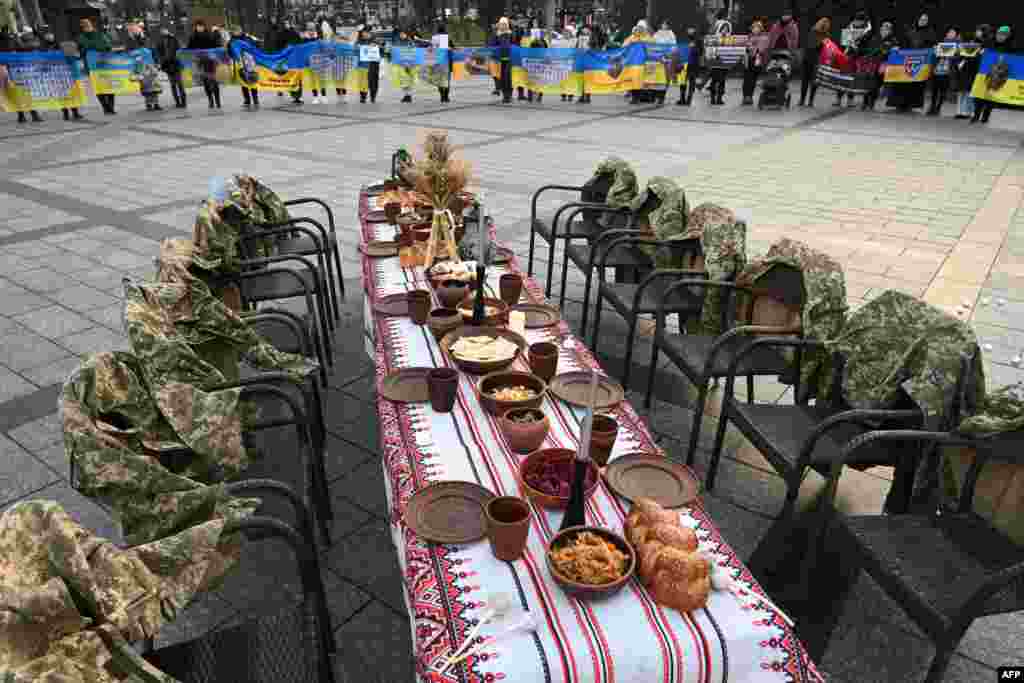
585, 590
524, 437
495, 319
548, 500
483, 367
498, 380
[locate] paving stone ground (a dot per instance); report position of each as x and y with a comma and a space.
929, 206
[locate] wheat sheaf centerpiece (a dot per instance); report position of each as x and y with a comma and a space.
441, 177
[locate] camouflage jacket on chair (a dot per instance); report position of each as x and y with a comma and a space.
114, 434
624, 185
1000, 411
70, 601
824, 295
723, 242
666, 221
899, 342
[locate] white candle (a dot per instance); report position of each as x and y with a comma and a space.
588, 420
482, 225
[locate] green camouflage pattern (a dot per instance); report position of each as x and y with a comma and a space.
624, 186
723, 242
825, 307
114, 434
1000, 411
59, 581
666, 220
899, 342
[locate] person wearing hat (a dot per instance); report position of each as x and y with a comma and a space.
1005, 44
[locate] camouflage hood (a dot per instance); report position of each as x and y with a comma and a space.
723, 242
666, 220
246, 206
71, 601
824, 294
114, 434
624, 184
898, 342
1000, 411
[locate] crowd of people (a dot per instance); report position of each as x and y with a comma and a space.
864, 49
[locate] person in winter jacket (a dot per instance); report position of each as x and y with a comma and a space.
812, 56
250, 94
445, 89
941, 74
876, 50
967, 70
907, 96
696, 45
49, 42
537, 41
91, 40
1004, 43
504, 50
27, 42
755, 62
167, 57
372, 68
204, 39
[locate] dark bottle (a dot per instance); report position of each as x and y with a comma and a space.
575, 512
478, 306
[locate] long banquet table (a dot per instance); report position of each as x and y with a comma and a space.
625, 638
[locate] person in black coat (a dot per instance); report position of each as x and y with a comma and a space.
372, 68
692, 67
907, 96
1004, 43
289, 36
167, 57
204, 39
967, 69
28, 42
250, 95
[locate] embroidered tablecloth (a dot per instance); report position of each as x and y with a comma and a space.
626, 638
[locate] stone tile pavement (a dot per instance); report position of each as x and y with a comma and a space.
929, 206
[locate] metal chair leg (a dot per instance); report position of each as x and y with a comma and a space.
651, 372
588, 279
341, 275
716, 450
698, 414
630, 341
565, 279
750, 389
551, 266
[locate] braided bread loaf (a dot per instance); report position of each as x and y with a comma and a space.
668, 563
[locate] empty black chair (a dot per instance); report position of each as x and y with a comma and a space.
706, 357
280, 638
631, 300
591, 196
946, 568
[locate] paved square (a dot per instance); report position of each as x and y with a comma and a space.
925, 205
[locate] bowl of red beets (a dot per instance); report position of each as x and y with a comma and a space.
546, 477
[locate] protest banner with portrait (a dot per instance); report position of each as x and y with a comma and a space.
39, 80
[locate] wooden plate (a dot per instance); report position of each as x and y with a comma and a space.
408, 385
538, 315
376, 216
574, 388
483, 367
393, 305
449, 512
639, 475
380, 249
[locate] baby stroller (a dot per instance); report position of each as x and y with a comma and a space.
775, 85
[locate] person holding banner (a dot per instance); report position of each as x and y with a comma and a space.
968, 70
369, 57
441, 40
49, 42
91, 40
907, 96
876, 52
167, 57
250, 95
944, 58
203, 39
1004, 44
537, 41
504, 52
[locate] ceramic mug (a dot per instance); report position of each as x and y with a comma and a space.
442, 385
419, 306
543, 357
508, 526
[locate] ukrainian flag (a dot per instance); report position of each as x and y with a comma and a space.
39, 80
110, 73
665, 66
277, 71
613, 71
909, 66
546, 70
1000, 79
475, 61
189, 61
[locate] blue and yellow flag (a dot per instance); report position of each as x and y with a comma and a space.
420, 66
614, 71
470, 62
316, 64
40, 80
547, 70
215, 64
665, 65
1000, 79
111, 73
909, 66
